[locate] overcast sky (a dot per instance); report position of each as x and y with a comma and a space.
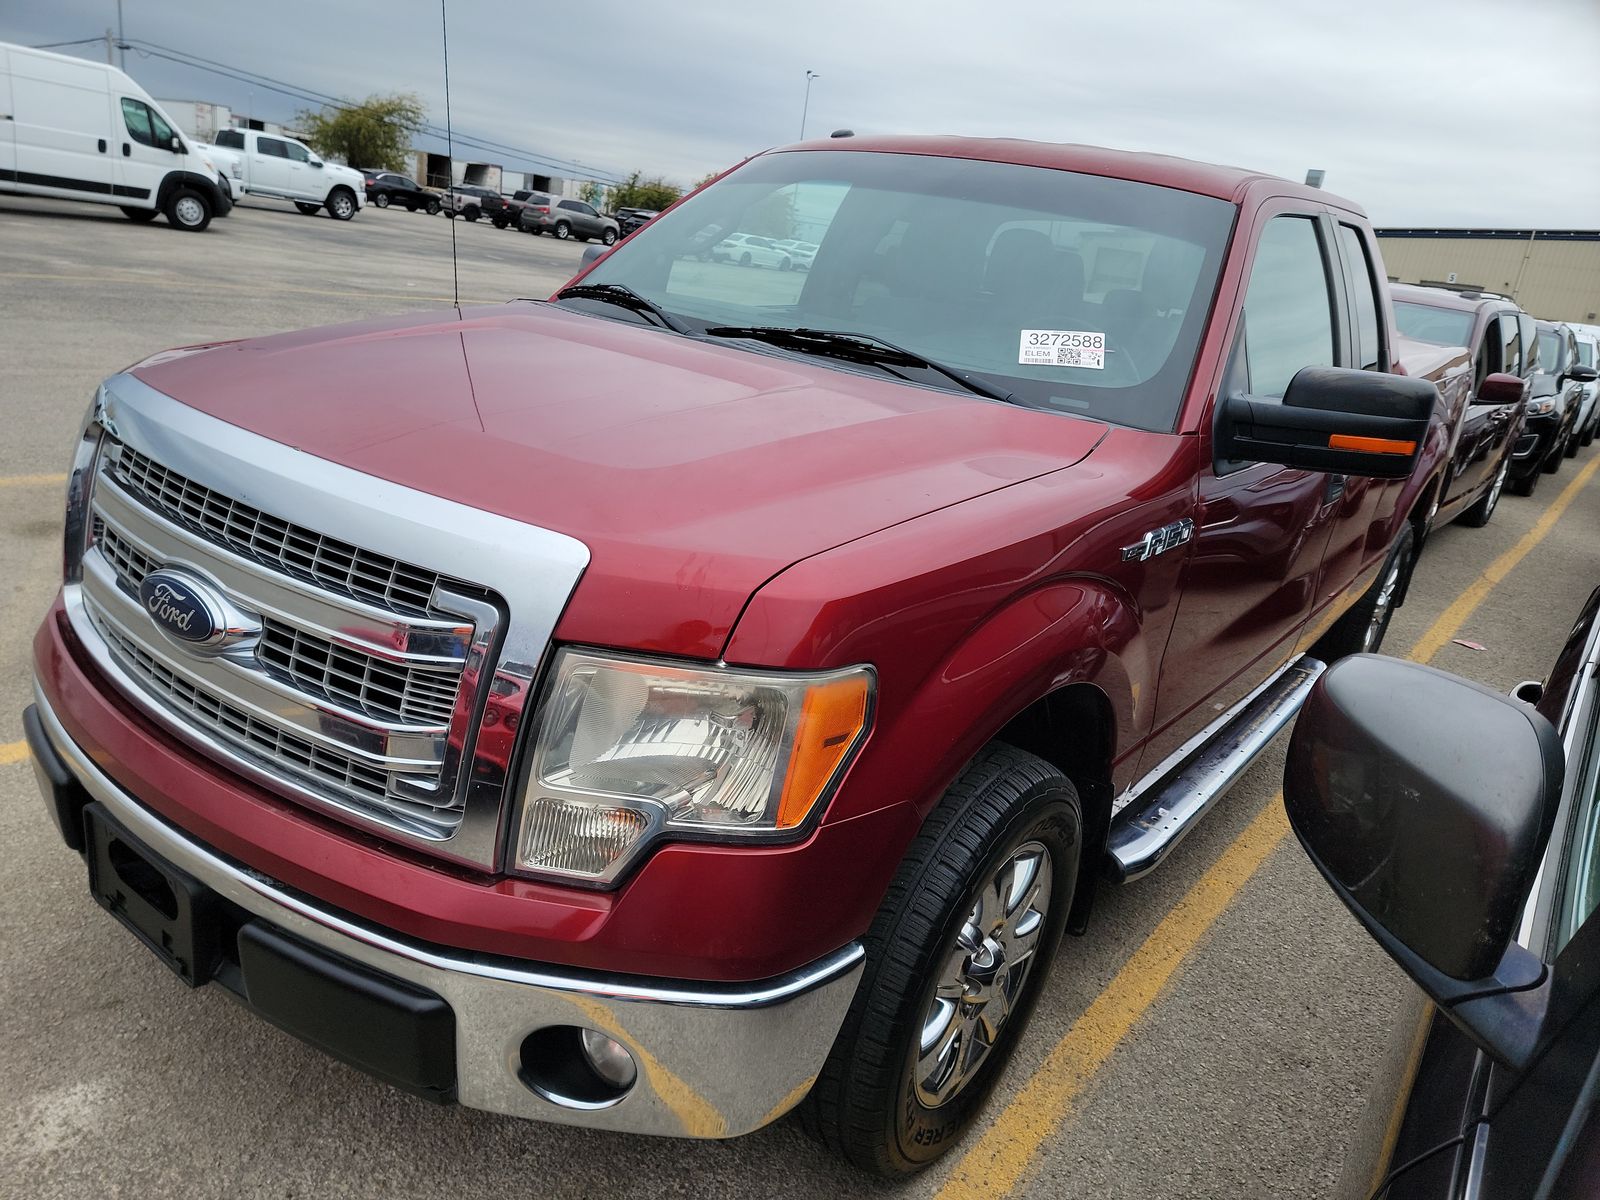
1427, 112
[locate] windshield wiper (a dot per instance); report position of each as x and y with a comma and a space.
625, 297
856, 347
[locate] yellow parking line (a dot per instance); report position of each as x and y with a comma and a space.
1453, 618
13, 752
997, 1160
10, 481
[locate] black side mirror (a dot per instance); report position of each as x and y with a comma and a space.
1582, 374
1426, 801
316, 162
175, 144
1332, 419
1501, 387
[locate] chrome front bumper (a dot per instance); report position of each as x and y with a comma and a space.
715, 1060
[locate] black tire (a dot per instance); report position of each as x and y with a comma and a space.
535, 230
563, 230
1588, 434
140, 216
433, 208
342, 204
1478, 515
609, 237
868, 1103
381, 200
1553, 460
310, 210
187, 209
472, 214
744, 259
786, 265
1572, 445
1361, 630
499, 222
1526, 485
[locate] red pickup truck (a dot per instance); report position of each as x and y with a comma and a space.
715, 689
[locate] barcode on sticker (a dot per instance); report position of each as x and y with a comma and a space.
1062, 348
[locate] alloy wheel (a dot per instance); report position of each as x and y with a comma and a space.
983, 975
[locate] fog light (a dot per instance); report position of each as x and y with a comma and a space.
610, 1059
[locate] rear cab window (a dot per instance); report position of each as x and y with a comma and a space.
1362, 287
231, 139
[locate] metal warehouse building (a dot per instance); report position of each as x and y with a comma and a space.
1552, 273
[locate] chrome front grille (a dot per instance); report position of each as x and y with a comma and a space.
364, 623
292, 549
338, 769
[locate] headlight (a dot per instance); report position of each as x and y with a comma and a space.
1538, 408
628, 751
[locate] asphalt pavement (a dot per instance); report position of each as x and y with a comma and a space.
1212, 1035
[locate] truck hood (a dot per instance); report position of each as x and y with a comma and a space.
694, 472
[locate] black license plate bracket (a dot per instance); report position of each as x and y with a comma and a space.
172, 913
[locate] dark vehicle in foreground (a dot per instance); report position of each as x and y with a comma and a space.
631, 219
1487, 418
714, 689
385, 188
1479, 873
569, 219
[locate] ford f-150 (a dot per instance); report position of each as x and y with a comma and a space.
712, 690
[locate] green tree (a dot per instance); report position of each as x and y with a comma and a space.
771, 217
593, 192
638, 192
374, 133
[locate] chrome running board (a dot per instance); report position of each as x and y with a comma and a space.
1169, 807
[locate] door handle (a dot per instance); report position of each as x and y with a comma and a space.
127, 150
102, 145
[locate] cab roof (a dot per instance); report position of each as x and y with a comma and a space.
1163, 170
1438, 297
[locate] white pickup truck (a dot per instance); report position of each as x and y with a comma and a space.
269, 164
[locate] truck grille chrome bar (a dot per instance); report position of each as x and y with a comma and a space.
357, 660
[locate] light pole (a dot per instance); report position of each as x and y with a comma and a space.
122, 42
806, 107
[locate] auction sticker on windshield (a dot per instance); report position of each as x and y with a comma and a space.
1062, 348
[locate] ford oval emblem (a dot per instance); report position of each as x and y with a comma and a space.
184, 607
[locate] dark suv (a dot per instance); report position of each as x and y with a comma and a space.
569, 219
386, 187
1488, 438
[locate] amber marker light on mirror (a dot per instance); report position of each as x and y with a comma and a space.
1370, 445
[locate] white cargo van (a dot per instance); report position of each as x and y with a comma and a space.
80, 130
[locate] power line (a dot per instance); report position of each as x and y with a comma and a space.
58, 45
309, 96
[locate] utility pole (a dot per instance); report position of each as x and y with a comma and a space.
110, 59
805, 108
122, 41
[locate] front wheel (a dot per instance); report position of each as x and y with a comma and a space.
309, 209
956, 958
1572, 444
341, 204
500, 222
472, 214
1361, 630
744, 259
609, 237
188, 210
433, 208
1526, 485
1478, 515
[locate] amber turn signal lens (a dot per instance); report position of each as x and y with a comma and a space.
1369, 445
832, 719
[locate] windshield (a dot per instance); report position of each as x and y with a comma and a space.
1549, 352
1074, 293
1437, 326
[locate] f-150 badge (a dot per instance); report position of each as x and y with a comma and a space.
1158, 541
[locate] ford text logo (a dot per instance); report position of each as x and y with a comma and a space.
189, 610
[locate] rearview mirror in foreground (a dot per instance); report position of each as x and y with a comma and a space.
1331, 419
1426, 802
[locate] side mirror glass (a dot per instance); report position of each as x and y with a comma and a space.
1332, 419
1426, 802
1500, 388
1582, 374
